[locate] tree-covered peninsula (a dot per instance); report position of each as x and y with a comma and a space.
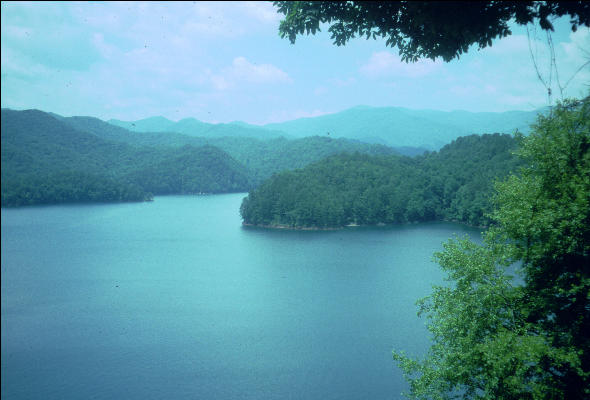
454, 183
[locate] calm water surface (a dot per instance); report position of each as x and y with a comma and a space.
175, 300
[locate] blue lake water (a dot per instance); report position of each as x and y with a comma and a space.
174, 299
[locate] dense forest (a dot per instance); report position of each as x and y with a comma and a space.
45, 160
359, 189
261, 157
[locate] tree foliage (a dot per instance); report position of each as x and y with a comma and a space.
424, 29
545, 212
452, 184
45, 160
46, 156
494, 338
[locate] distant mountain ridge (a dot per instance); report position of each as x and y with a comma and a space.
397, 126
392, 126
262, 158
194, 127
48, 158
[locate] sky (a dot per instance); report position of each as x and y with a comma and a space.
224, 61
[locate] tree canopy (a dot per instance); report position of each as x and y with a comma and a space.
361, 189
45, 160
494, 337
424, 29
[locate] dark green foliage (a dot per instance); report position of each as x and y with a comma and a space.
36, 142
190, 170
464, 171
494, 338
265, 158
453, 184
545, 212
48, 159
482, 346
67, 187
41, 147
261, 157
422, 29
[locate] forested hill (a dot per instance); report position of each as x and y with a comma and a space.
261, 157
452, 184
47, 160
397, 126
265, 158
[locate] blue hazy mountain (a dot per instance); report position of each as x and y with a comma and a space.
194, 127
392, 126
398, 127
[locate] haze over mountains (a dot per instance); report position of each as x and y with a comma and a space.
392, 126
194, 127
48, 158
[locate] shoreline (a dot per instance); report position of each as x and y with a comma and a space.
378, 225
293, 228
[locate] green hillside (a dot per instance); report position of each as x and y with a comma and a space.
78, 155
47, 160
41, 151
189, 170
262, 157
36, 142
452, 184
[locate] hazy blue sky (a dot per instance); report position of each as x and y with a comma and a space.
220, 62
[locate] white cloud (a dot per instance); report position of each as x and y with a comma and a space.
490, 89
243, 71
219, 82
386, 64
19, 32
576, 54
17, 64
579, 45
343, 82
105, 49
263, 73
463, 90
513, 44
261, 11
571, 53
320, 90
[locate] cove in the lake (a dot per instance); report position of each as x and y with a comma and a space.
174, 299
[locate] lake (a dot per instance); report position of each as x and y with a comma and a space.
174, 299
